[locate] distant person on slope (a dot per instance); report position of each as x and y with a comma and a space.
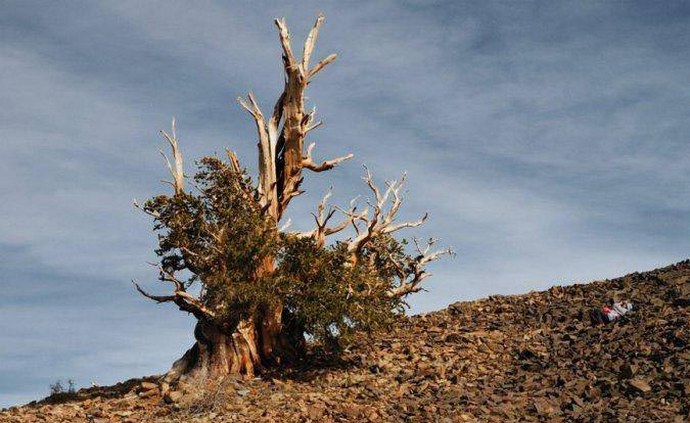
607, 314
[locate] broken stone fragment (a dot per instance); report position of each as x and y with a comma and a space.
543, 407
165, 387
640, 385
172, 397
145, 386
627, 371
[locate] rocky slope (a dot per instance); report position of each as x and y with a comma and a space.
532, 357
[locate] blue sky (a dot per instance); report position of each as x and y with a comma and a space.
548, 141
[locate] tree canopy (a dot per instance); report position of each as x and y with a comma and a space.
260, 290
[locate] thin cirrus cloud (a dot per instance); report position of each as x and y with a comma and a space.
548, 141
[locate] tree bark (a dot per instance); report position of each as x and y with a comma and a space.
250, 346
218, 353
245, 350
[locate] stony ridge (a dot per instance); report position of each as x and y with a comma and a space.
532, 357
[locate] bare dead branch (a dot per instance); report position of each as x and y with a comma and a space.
394, 228
322, 64
381, 219
324, 215
413, 271
313, 126
156, 298
308, 162
285, 41
180, 297
234, 161
183, 300
153, 214
311, 40
176, 171
274, 122
267, 154
285, 226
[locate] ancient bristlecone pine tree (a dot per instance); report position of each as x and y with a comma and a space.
261, 291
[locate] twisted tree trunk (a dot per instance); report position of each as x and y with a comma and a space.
245, 347
218, 353
253, 345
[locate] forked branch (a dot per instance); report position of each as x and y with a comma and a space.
184, 300
412, 270
308, 162
324, 215
281, 138
176, 170
383, 215
267, 155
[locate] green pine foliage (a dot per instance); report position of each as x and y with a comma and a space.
330, 297
218, 236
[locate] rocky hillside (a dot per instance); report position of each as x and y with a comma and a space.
532, 357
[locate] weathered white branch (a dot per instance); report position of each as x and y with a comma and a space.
285, 41
308, 162
310, 125
322, 64
413, 271
381, 221
267, 155
234, 161
153, 214
157, 298
323, 216
394, 228
180, 297
285, 226
313, 126
176, 171
274, 121
311, 40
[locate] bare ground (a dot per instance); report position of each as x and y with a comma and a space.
532, 357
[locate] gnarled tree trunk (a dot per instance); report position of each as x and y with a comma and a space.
244, 347
251, 346
218, 352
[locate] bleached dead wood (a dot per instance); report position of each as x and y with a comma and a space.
412, 271
323, 215
176, 170
281, 139
184, 300
308, 162
381, 220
